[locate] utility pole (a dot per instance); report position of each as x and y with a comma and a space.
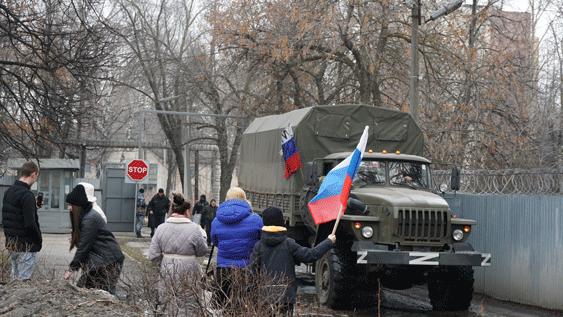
416, 21
413, 92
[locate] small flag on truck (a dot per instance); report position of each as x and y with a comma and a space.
290, 154
331, 200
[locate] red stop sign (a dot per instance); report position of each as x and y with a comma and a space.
137, 170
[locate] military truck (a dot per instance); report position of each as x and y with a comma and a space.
397, 232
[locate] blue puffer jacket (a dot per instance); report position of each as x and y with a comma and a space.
235, 230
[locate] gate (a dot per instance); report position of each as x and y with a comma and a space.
118, 199
524, 233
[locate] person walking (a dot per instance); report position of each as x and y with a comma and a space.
199, 207
97, 252
207, 217
176, 245
157, 209
234, 232
140, 212
21, 223
276, 256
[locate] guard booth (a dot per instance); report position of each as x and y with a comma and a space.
56, 179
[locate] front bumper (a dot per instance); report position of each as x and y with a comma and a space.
460, 258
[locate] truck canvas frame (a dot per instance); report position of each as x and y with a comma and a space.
396, 231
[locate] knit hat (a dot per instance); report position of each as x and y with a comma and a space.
273, 216
89, 189
77, 196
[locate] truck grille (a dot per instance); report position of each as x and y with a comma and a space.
422, 225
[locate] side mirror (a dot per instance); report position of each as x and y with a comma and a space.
356, 207
310, 171
455, 179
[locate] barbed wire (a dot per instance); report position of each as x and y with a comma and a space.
510, 181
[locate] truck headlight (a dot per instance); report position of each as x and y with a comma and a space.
443, 187
367, 232
457, 235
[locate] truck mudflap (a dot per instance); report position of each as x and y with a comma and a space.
460, 258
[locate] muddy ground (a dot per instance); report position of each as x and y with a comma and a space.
59, 298
50, 295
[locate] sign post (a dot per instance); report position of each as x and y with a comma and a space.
136, 172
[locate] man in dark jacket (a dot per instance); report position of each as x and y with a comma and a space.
276, 255
200, 205
21, 224
157, 209
207, 217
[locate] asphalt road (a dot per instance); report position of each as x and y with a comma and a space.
414, 302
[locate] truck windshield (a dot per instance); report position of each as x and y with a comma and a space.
370, 173
401, 173
412, 174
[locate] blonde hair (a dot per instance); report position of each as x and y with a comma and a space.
235, 193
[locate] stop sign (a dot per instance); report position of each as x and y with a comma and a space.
137, 170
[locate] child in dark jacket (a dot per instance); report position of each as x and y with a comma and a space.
276, 254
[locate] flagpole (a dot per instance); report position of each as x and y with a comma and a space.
337, 220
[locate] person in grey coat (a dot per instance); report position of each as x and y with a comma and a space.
176, 245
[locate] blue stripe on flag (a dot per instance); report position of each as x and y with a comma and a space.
332, 184
354, 163
289, 148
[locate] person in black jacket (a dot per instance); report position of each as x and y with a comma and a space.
97, 252
276, 255
207, 217
157, 209
21, 224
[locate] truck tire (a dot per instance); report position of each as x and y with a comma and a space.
340, 283
451, 289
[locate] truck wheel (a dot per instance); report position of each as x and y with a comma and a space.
451, 289
339, 282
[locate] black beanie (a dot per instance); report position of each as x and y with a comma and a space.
77, 197
273, 216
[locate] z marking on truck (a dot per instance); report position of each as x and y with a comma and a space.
486, 259
423, 258
362, 257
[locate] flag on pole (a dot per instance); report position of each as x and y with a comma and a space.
290, 154
332, 197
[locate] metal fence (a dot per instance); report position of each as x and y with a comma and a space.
525, 236
532, 181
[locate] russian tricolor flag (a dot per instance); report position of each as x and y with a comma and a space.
290, 154
335, 189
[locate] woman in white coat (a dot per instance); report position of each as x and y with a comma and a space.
176, 245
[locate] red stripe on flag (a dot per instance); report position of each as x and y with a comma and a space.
325, 210
345, 192
292, 164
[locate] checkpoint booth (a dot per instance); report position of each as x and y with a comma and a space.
56, 179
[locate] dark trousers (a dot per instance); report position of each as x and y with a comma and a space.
156, 220
104, 278
206, 225
224, 277
286, 310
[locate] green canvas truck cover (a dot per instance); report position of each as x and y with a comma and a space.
319, 131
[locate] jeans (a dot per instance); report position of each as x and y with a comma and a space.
23, 264
140, 219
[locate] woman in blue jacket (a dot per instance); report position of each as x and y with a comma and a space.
234, 231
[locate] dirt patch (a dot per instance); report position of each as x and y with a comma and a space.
59, 298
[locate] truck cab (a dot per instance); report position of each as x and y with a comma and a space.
393, 194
